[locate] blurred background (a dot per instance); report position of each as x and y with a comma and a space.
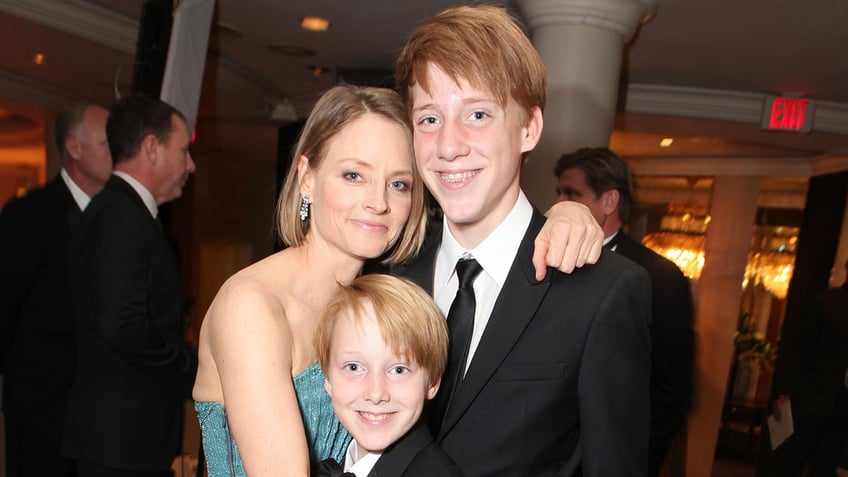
733, 115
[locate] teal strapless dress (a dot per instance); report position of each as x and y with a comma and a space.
325, 435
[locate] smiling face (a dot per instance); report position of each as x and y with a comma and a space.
377, 395
361, 193
468, 149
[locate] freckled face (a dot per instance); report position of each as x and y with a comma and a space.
377, 395
468, 149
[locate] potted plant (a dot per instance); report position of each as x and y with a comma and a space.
753, 353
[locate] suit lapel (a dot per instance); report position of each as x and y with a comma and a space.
66, 199
625, 245
397, 458
514, 309
622, 244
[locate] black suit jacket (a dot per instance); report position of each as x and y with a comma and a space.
672, 344
37, 332
819, 357
560, 378
134, 366
415, 455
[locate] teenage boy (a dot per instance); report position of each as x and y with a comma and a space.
552, 375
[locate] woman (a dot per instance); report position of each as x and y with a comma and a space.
352, 194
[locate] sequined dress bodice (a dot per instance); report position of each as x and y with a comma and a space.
324, 434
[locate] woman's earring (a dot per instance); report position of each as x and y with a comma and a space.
304, 208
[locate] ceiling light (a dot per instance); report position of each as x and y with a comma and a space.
315, 23
38, 58
317, 70
666, 142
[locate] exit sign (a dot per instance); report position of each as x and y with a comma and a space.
781, 113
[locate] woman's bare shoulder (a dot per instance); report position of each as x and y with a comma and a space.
263, 281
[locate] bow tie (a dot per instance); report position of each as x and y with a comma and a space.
330, 468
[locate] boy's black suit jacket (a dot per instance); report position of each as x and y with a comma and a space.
559, 382
415, 455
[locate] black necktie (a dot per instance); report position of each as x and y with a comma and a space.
460, 326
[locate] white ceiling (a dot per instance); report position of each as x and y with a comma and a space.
723, 47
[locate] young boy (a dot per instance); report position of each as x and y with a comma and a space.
382, 344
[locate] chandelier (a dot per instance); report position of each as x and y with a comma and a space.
684, 249
773, 265
681, 237
771, 270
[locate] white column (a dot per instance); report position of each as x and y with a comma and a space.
719, 292
581, 43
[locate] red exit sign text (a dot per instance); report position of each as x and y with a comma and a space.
788, 114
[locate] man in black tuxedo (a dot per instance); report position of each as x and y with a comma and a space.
37, 332
811, 374
550, 375
134, 366
601, 180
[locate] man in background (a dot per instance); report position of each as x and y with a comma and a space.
601, 180
37, 331
134, 367
811, 376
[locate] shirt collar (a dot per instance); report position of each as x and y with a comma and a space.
497, 251
359, 466
610, 239
80, 197
142, 191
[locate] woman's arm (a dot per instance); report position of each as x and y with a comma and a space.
252, 347
570, 238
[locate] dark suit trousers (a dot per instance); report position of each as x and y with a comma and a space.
34, 438
816, 443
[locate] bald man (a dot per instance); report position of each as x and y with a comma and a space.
37, 331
